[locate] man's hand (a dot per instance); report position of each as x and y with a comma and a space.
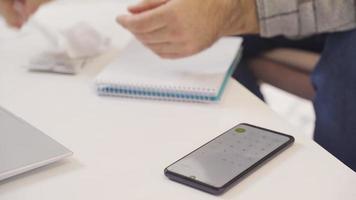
180, 28
17, 12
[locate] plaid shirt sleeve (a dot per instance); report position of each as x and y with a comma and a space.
300, 18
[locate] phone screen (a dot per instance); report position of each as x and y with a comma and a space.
229, 155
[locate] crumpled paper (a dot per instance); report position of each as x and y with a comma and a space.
70, 49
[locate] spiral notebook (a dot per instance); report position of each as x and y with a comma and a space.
139, 73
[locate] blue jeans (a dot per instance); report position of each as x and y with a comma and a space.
334, 79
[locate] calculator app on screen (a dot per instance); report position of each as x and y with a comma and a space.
232, 153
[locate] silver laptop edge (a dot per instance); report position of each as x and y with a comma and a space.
24, 148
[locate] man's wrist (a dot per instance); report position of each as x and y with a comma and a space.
243, 18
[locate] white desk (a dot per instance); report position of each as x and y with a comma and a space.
121, 146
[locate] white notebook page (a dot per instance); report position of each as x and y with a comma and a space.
137, 66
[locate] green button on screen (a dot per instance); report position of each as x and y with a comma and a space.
240, 130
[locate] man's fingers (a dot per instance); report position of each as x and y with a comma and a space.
10, 14
14, 21
163, 48
146, 5
170, 56
20, 9
17, 12
158, 36
178, 49
144, 22
167, 48
31, 6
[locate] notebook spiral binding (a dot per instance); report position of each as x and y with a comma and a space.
166, 94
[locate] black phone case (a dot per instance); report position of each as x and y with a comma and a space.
218, 191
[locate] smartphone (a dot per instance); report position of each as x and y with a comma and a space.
226, 160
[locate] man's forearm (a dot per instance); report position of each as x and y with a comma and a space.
298, 18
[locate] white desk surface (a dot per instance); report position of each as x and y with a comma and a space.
122, 146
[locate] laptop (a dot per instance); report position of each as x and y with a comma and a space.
24, 148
